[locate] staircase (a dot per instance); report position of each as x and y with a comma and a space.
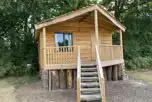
90, 81
90, 88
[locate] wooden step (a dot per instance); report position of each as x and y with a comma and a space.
89, 69
87, 74
88, 66
90, 90
89, 84
90, 79
94, 97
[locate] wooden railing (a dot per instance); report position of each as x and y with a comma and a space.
61, 55
100, 75
78, 75
110, 52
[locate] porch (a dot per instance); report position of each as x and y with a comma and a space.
66, 57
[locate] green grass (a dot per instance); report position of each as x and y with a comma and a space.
145, 75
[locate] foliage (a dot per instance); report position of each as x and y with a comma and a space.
139, 62
18, 47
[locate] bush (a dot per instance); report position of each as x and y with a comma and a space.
139, 62
9, 69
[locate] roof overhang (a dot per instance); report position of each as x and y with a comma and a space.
80, 12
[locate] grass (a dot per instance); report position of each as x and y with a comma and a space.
17, 81
145, 75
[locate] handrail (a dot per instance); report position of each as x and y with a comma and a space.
110, 52
100, 75
61, 55
78, 75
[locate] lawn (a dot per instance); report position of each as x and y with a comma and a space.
145, 75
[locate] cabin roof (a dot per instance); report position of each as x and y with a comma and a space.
77, 13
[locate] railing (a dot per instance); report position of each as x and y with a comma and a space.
78, 75
110, 52
100, 75
61, 55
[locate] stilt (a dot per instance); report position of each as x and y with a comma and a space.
74, 79
55, 80
115, 73
44, 78
109, 73
120, 72
69, 79
62, 79
105, 73
50, 80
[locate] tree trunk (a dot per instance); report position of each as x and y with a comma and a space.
115, 74
109, 73
69, 79
74, 79
55, 80
105, 72
44, 79
62, 79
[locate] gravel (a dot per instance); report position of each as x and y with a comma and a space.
116, 91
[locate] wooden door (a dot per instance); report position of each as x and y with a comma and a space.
83, 39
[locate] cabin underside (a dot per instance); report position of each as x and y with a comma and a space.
67, 78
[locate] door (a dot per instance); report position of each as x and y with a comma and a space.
83, 39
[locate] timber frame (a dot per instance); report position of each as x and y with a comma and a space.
92, 29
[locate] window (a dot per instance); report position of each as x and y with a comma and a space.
63, 39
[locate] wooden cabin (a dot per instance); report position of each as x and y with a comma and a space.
76, 50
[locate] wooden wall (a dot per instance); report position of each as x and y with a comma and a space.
82, 33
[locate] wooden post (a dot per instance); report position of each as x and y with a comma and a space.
109, 73
121, 43
96, 26
50, 80
55, 79
105, 73
69, 79
75, 79
44, 79
115, 73
44, 46
62, 79
119, 72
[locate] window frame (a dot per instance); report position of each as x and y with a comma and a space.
64, 33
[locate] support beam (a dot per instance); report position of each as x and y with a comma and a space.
69, 79
115, 73
50, 80
96, 26
121, 43
44, 46
109, 73
62, 76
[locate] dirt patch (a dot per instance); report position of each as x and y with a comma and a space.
116, 91
34, 93
7, 92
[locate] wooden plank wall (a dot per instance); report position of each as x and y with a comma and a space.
82, 36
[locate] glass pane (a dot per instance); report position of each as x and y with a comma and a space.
59, 41
68, 40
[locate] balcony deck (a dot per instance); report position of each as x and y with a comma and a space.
66, 57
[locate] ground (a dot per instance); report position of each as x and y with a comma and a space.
28, 89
